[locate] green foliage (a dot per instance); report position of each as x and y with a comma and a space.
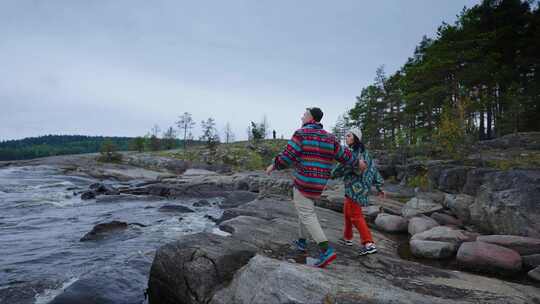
257, 131
210, 134
154, 143
241, 156
109, 152
137, 144
477, 79
420, 181
50, 145
450, 135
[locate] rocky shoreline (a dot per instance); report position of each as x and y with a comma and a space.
482, 221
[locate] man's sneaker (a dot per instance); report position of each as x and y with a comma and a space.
345, 242
300, 245
326, 258
368, 249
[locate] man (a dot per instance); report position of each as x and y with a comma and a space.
312, 151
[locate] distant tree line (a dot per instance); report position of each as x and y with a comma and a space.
154, 140
477, 79
50, 145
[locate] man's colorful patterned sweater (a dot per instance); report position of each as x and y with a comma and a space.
312, 151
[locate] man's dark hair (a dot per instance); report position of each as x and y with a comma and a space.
316, 113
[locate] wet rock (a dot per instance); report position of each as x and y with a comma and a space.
445, 219
420, 224
237, 198
121, 283
508, 203
128, 198
417, 206
87, 195
391, 223
201, 203
520, 244
101, 230
531, 261
271, 226
459, 205
432, 249
101, 188
534, 274
192, 269
485, 257
175, 208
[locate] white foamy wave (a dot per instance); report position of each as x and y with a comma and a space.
220, 232
49, 294
55, 185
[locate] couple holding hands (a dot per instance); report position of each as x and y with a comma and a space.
311, 152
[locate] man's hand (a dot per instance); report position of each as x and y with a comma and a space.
269, 169
362, 165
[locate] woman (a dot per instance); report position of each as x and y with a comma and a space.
357, 188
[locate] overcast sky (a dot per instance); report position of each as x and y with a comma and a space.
118, 67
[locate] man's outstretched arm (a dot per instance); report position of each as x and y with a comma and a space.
289, 156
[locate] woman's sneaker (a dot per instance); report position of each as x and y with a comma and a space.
326, 258
345, 242
300, 245
368, 249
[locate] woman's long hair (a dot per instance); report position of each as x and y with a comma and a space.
357, 144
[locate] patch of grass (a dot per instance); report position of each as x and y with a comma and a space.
420, 181
528, 161
240, 156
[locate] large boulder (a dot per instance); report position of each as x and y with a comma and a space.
445, 219
192, 269
453, 179
444, 234
420, 224
119, 283
523, 245
534, 274
370, 212
485, 257
391, 223
100, 231
271, 277
432, 249
531, 261
459, 205
237, 198
474, 179
417, 206
508, 203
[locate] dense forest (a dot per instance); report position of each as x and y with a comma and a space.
477, 79
57, 145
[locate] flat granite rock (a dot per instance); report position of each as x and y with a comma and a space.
272, 271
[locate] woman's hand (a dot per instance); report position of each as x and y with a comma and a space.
362, 165
269, 169
381, 194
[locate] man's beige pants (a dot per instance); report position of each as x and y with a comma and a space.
307, 218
